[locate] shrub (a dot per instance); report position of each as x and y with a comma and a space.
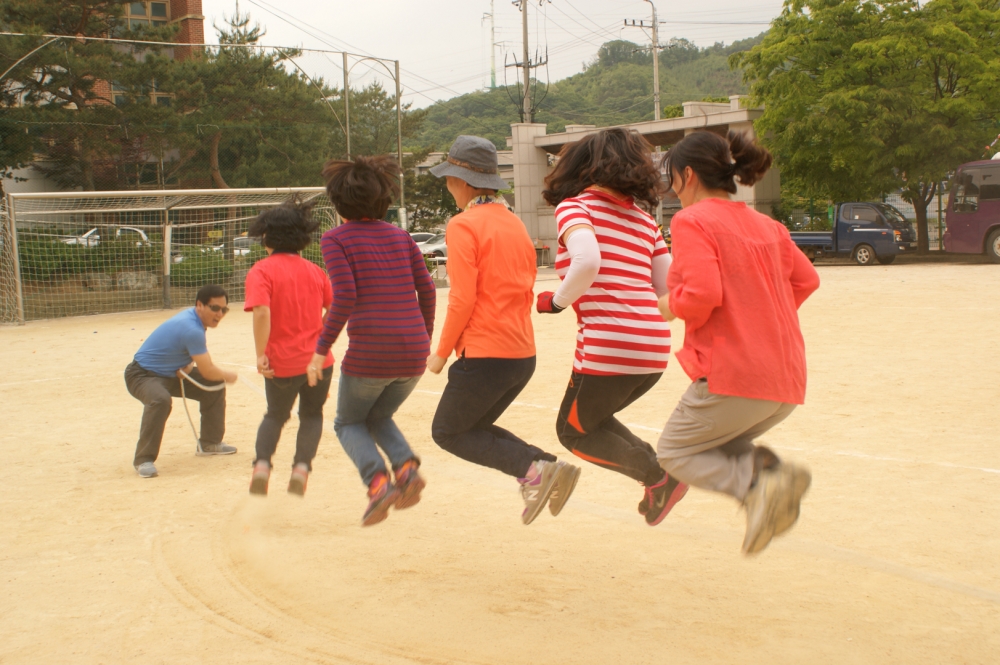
199, 268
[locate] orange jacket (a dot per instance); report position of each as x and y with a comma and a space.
492, 268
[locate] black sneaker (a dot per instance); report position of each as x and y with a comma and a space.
662, 497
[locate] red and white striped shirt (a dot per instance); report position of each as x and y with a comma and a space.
620, 329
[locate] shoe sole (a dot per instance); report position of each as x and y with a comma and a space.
202, 453
151, 475
258, 485
568, 474
409, 495
675, 496
381, 509
801, 480
546, 490
297, 486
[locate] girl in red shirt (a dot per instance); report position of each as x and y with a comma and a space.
287, 295
737, 281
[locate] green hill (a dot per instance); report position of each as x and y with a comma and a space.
615, 88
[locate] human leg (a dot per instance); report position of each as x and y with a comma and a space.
477, 393
280, 394
212, 405
381, 425
586, 425
311, 402
154, 393
355, 398
708, 443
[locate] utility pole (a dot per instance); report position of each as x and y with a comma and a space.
525, 62
347, 105
493, 48
656, 82
526, 110
655, 48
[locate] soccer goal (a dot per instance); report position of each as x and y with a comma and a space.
75, 253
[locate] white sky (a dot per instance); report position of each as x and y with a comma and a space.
443, 46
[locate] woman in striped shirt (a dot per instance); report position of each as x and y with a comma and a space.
613, 264
384, 294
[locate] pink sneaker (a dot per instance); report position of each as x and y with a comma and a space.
662, 497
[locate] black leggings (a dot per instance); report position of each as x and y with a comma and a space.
588, 428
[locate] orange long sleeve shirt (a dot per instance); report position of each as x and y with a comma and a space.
492, 269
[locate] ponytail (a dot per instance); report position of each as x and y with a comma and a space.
720, 163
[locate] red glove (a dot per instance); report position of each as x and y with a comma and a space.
545, 304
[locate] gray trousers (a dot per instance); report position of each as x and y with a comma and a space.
708, 441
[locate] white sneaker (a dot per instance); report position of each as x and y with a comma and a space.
146, 470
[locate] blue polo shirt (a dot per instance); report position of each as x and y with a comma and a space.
171, 346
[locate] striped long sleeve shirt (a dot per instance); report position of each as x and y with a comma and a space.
384, 294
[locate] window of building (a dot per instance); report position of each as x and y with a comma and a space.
146, 14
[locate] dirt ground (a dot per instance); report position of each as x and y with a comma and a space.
896, 558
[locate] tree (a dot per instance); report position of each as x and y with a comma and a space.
864, 98
428, 202
59, 101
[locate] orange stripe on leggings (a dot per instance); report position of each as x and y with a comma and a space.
595, 460
574, 419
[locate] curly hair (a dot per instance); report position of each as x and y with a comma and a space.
616, 158
719, 162
363, 188
287, 227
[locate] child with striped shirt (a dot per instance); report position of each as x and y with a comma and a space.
613, 264
384, 294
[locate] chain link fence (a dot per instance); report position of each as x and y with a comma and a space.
77, 253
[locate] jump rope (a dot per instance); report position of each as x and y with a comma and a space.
215, 388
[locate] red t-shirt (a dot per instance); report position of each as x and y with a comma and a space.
296, 290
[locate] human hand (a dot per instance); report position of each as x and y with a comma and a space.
230, 377
546, 304
435, 363
185, 370
264, 367
314, 372
664, 306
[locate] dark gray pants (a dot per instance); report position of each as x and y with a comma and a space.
281, 394
155, 393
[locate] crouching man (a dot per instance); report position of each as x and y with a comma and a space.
154, 377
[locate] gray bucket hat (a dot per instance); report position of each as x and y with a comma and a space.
474, 160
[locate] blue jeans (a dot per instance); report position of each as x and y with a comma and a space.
364, 418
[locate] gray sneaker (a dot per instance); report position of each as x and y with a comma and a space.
146, 470
566, 477
536, 493
214, 449
763, 503
796, 480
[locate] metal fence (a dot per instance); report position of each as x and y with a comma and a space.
75, 253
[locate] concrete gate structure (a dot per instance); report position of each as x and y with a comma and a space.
534, 150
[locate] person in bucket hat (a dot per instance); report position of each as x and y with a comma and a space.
491, 265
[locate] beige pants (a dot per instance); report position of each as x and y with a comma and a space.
708, 441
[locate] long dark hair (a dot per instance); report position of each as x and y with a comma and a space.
363, 188
615, 158
719, 162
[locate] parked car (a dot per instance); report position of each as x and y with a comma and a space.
92, 238
867, 232
973, 213
422, 236
434, 247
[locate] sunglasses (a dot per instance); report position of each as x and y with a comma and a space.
219, 308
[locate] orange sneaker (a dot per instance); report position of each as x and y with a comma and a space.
382, 495
409, 483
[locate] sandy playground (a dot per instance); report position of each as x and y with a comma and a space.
896, 558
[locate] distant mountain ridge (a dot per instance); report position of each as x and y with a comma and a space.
615, 88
